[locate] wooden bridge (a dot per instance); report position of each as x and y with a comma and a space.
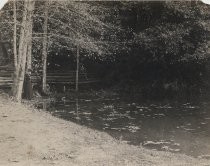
64, 78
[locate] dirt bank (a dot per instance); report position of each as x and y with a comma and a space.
29, 137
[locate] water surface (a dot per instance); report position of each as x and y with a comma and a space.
179, 127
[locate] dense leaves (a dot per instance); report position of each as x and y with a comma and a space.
167, 48
154, 45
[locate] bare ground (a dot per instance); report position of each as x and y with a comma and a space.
29, 137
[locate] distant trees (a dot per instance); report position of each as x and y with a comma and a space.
133, 38
167, 45
66, 24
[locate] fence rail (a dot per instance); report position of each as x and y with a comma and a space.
6, 78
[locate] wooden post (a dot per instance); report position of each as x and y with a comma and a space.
77, 71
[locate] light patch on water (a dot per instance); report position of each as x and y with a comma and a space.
188, 129
131, 118
118, 128
204, 156
156, 142
165, 106
106, 124
110, 118
109, 106
87, 100
88, 119
141, 107
133, 129
192, 107
176, 144
160, 114
86, 113
167, 148
203, 123
144, 122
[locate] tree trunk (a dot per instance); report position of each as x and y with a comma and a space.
15, 35
22, 50
44, 51
77, 71
15, 47
29, 47
16, 91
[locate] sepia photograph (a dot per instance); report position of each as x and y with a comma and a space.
104, 82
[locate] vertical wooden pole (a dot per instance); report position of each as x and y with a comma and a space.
77, 71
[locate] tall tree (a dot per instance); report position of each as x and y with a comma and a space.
44, 49
22, 50
15, 34
77, 71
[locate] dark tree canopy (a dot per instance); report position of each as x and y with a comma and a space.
145, 44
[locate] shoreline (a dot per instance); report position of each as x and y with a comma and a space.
32, 137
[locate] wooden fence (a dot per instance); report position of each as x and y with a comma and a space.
65, 78
6, 73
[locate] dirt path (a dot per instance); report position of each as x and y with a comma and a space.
29, 137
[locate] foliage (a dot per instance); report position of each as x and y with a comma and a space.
168, 50
152, 44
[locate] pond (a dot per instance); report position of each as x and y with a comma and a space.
178, 127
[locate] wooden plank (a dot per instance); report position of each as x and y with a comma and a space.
6, 84
5, 78
71, 76
68, 78
6, 81
53, 77
73, 82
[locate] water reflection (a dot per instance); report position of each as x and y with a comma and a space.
77, 109
171, 126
